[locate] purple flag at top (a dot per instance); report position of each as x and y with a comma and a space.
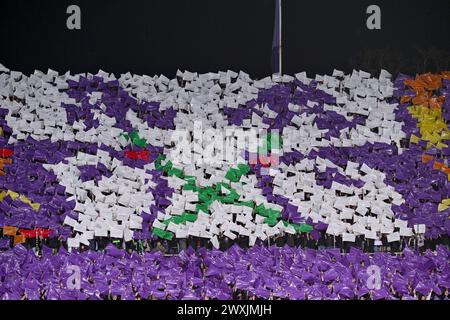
276, 39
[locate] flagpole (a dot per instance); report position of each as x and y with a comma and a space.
280, 59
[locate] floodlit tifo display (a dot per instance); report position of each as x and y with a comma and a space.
221, 158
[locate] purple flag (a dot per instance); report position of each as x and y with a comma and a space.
276, 39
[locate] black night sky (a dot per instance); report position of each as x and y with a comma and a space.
153, 37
